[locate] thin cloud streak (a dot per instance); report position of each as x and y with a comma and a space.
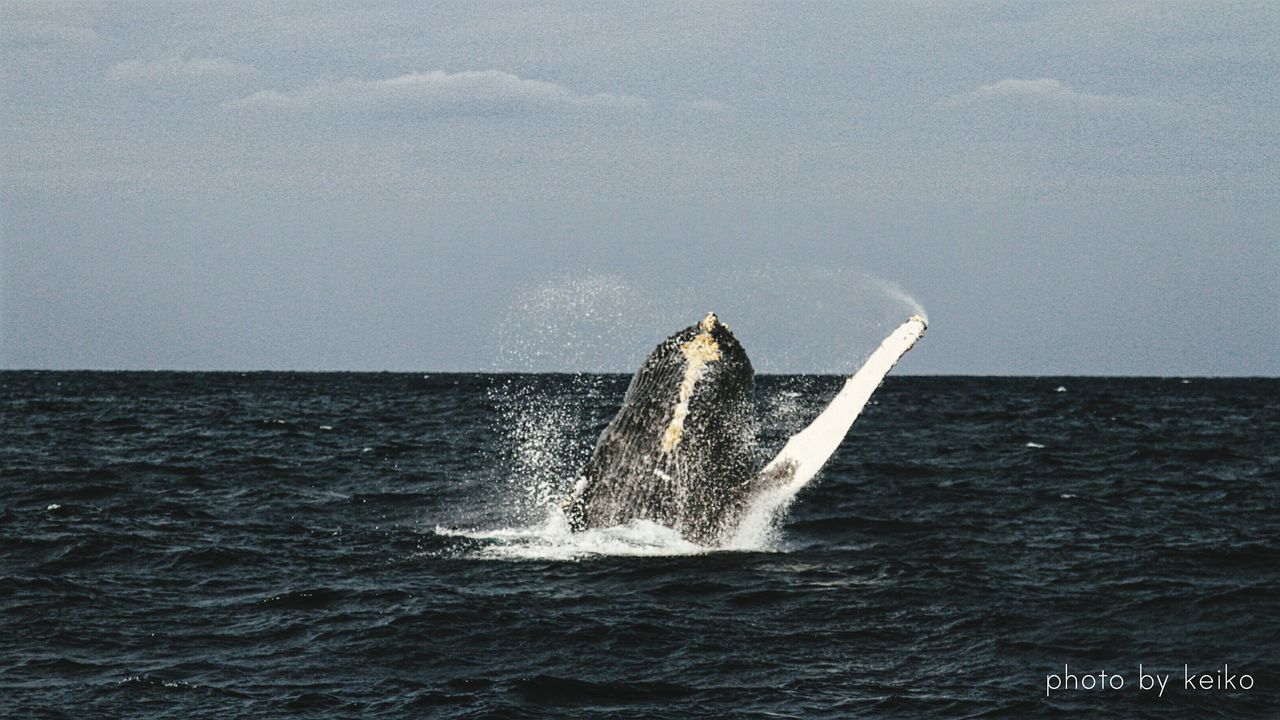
477, 92
1046, 90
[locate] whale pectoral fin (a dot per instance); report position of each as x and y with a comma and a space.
808, 450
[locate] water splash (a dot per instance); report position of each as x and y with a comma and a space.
544, 438
895, 291
760, 528
566, 324
791, 319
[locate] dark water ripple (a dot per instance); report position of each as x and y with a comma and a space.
177, 545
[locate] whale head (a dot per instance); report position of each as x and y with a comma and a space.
678, 451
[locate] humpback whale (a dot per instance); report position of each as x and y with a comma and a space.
681, 450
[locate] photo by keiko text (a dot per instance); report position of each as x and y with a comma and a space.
1220, 679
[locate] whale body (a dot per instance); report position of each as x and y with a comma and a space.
681, 451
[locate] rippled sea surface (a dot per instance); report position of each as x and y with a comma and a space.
179, 545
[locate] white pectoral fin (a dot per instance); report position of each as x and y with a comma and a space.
808, 450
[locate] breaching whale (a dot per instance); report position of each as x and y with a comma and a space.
681, 450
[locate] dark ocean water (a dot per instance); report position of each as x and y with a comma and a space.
182, 545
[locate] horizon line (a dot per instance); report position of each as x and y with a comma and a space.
428, 373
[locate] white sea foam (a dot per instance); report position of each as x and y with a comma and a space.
552, 540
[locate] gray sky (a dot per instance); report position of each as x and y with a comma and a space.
1066, 188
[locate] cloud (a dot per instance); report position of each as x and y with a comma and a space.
1016, 107
1042, 91
472, 92
1043, 87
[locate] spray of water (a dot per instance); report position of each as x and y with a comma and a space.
791, 319
567, 324
895, 292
